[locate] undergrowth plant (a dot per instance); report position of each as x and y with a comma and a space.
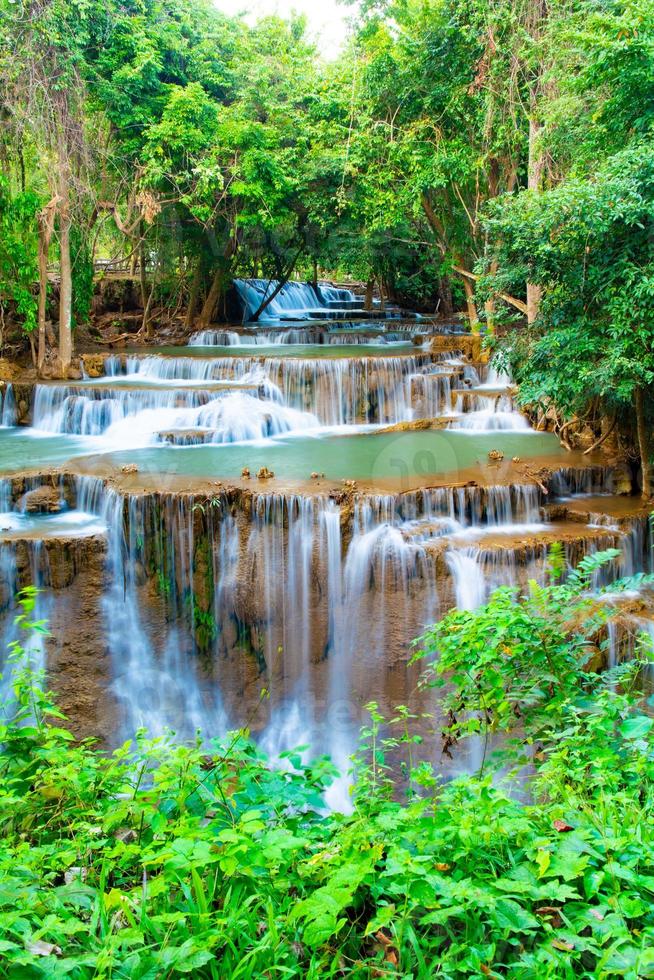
170, 860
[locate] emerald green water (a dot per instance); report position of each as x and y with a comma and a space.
20, 449
305, 351
367, 456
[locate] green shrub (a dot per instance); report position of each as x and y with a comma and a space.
164, 860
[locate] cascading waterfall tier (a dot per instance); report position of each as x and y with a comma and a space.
197, 602
305, 301
338, 391
350, 334
128, 416
308, 597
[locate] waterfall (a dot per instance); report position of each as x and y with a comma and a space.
12, 580
589, 482
295, 300
157, 689
135, 418
469, 581
7, 406
277, 338
351, 333
337, 391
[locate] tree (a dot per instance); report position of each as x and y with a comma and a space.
587, 243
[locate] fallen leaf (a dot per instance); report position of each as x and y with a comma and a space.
39, 948
443, 867
562, 944
562, 826
390, 953
552, 913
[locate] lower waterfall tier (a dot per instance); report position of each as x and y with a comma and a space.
193, 605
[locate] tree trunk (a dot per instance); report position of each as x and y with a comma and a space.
382, 295
283, 279
489, 305
265, 303
194, 295
142, 268
66, 276
46, 221
643, 443
370, 292
470, 304
535, 179
211, 301
446, 307
315, 273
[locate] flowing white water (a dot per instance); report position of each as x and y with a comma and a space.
210, 600
157, 689
7, 406
295, 300
338, 391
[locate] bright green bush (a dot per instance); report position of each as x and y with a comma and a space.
164, 860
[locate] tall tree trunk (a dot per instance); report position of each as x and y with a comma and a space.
211, 302
446, 307
643, 443
194, 295
382, 296
46, 222
65, 267
489, 305
315, 273
535, 179
142, 266
370, 293
473, 316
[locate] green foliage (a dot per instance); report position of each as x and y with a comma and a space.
589, 243
82, 274
164, 859
18, 251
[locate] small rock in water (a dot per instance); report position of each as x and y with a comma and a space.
315, 476
496, 455
265, 474
516, 459
130, 468
245, 473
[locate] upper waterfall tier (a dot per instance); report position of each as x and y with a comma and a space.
304, 301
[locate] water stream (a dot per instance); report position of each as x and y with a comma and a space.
283, 608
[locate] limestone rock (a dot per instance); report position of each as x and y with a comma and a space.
496, 455
8, 370
265, 474
42, 500
93, 365
622, 482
